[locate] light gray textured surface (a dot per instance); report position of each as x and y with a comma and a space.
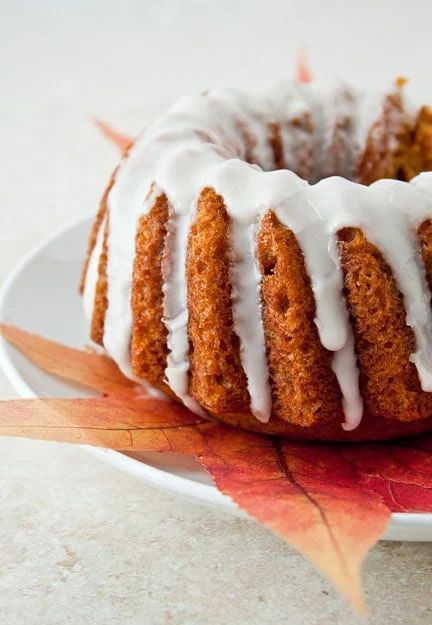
80, 542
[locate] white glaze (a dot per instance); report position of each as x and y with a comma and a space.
176, 314
203, 141
91, 277
345, 368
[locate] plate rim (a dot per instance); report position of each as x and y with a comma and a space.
157, 477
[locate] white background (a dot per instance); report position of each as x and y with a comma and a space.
80, 542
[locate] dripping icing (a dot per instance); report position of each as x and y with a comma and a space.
91, 278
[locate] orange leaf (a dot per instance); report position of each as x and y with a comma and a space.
93, 370
120, 140
331, 502
303, 73
306, 493
399, 471
124, 423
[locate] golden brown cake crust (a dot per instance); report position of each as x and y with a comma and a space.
101, 295
417, 156
275, 139
388, 380
304, 387
149, 334
217, 380
380, 159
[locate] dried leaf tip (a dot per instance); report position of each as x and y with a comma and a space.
94, 371
123, 142
303, 72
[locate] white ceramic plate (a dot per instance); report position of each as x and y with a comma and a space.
41, 295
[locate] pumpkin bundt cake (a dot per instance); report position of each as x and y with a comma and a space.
267, 259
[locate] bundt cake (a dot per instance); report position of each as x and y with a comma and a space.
267, 260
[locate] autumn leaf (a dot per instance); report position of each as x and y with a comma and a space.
304, 493
400, 472
124, 423
297, 490
122, 141
330, 501
90, 369
303, 73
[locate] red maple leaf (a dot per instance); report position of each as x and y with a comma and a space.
330, 501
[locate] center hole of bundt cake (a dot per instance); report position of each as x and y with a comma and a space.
396, 146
